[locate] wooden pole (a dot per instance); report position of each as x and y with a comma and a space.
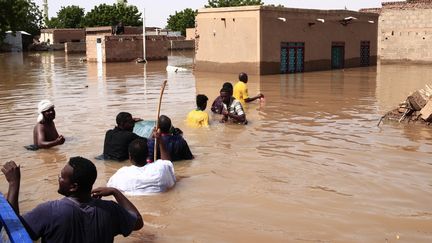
157, 119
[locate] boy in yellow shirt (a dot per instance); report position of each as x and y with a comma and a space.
241, 90
198, 117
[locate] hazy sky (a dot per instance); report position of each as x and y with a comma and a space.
157, 11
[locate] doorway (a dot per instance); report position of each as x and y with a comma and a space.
292, 57
364, 53
337, 55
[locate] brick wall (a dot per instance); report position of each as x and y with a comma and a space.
75, 47
127, 48
68, 35
405, 31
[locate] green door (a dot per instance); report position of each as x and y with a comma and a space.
292, 57
337, 57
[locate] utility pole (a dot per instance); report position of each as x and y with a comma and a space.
144, 37
45, 11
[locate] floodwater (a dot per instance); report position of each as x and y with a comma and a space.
311, 165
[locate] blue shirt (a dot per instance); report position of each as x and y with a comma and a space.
66, 220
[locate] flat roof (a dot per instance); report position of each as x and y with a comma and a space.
283, 9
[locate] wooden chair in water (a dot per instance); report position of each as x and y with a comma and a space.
12, 224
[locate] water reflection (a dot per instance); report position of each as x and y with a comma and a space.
310, 161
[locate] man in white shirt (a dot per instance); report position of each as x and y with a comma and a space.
143, 178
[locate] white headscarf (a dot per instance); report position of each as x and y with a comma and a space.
43, 105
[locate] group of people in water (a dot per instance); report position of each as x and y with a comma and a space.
81, 216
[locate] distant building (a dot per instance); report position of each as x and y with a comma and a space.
103, 46
14, 40
405, 31
159, 31
270, 40
190, 33
108, 30
61, 36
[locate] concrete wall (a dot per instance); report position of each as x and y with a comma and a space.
405, 32
249, 38
91, 47
190, 33
14, 41
46, 37
75, 47
301, 25
126, 48
228, 39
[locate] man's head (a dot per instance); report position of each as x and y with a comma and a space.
243, 77
227, 85
138, 151
164, 124
77, 177
125, 121
225, 95
46, 111
201, 101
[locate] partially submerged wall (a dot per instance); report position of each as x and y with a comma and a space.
181, 44
75, 47
250, 38
126, 47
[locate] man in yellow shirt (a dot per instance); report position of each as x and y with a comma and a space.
198, 117
241, 90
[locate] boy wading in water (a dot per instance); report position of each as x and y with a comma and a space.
45, 134
198, 117
233, 109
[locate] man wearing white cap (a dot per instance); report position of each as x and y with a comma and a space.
45, 134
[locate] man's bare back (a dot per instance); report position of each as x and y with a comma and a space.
45, 134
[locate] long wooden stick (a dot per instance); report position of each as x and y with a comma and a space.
157, 119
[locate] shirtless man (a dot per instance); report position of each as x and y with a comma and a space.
45, 134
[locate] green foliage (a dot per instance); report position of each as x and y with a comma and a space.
19, 15
232, 3
182, 20
105, 15
67, 17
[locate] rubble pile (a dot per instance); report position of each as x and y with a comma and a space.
416, 108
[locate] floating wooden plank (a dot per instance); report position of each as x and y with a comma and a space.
12, 224
426, 112
417, 100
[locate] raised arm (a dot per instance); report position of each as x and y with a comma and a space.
164, 153
121, 200
13, 176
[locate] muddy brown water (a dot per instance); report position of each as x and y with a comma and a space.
311, 165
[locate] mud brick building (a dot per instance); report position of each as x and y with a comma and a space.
270, 40
405, 31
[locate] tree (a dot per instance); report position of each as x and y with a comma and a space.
232, 3
67, 17
182, 20
104, 15
16, 15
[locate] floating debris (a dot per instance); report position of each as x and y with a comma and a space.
416, 108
